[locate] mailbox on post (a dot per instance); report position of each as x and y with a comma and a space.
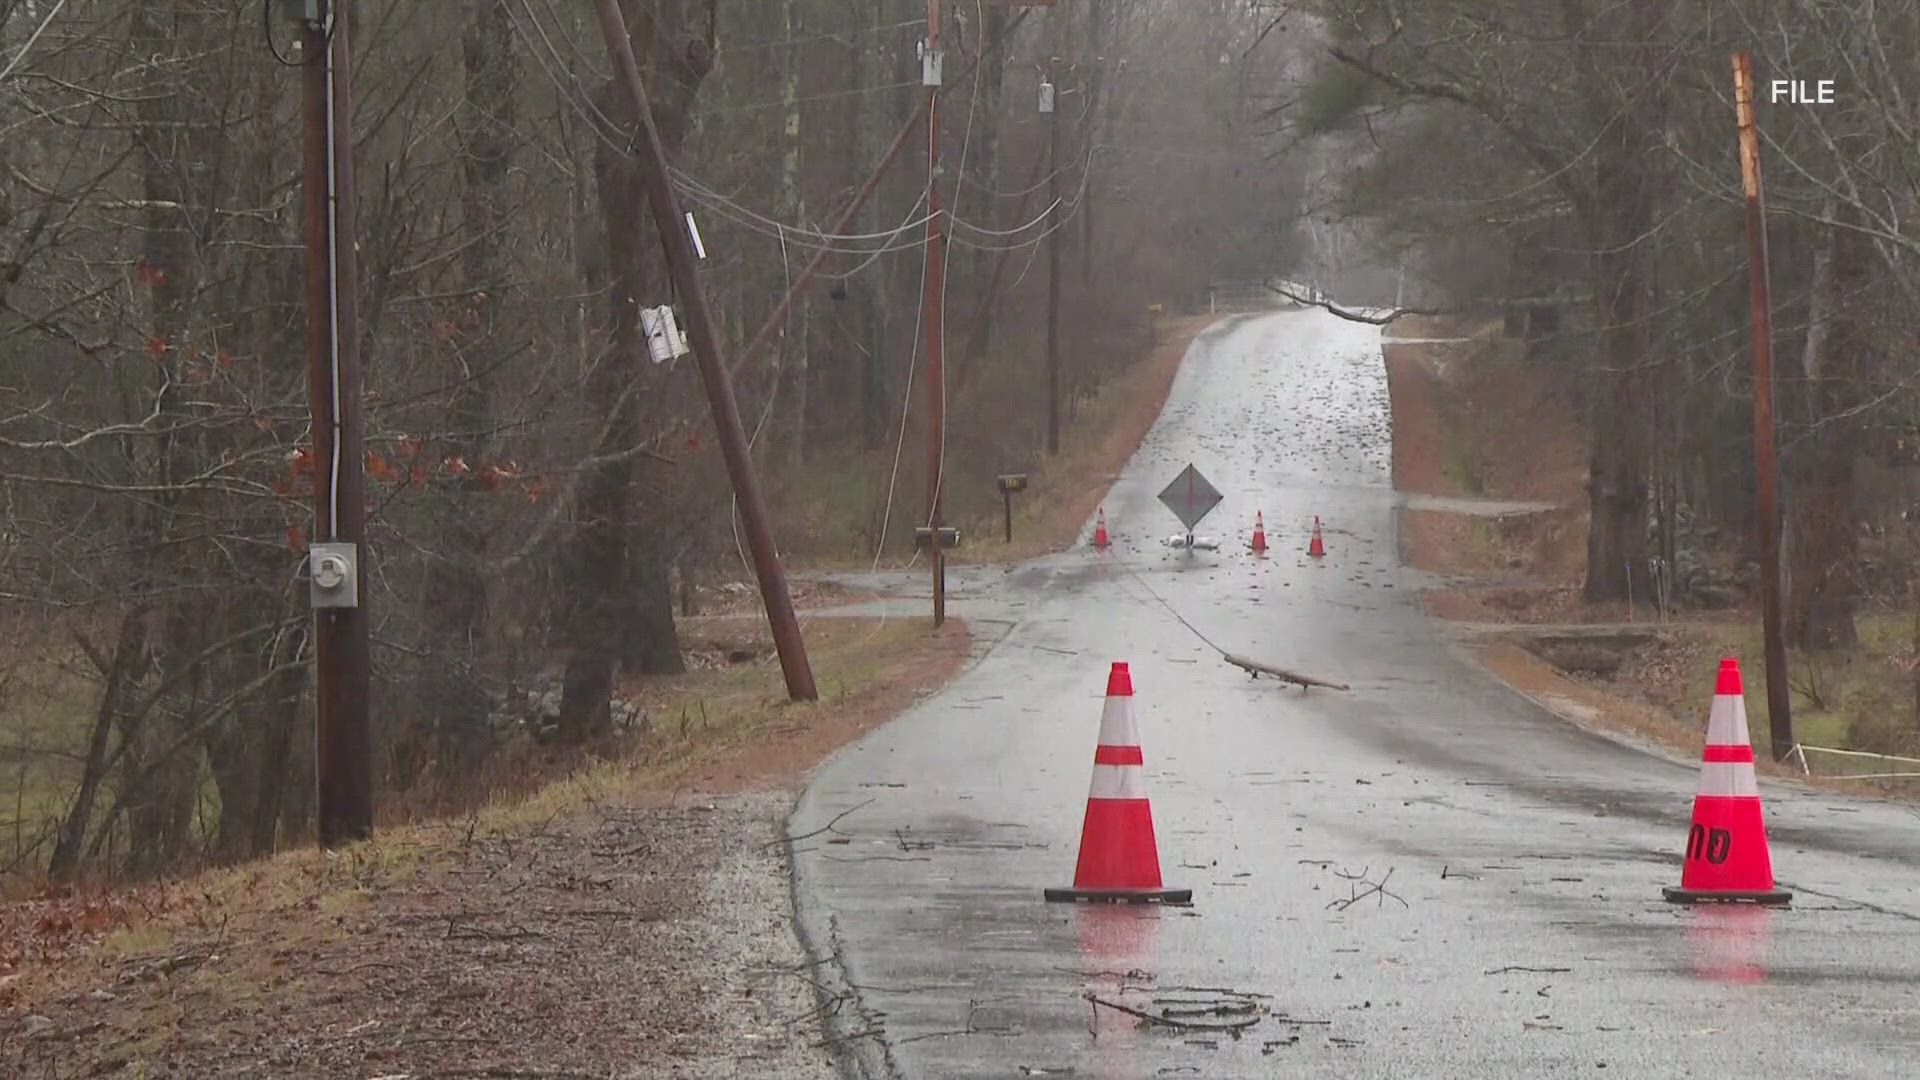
949, 538
1009, 484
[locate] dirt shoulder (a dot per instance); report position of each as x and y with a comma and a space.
634, 920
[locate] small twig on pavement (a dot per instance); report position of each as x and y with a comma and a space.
828, 827
1538, 970
867, 1034
1195, 1025
1377, 889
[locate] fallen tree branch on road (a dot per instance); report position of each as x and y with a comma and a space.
1351, 316
1256, 669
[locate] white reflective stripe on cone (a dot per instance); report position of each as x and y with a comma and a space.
1118, 782
1727, 722
1116, 723
1729, 778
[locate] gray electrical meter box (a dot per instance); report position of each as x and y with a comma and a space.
333, 575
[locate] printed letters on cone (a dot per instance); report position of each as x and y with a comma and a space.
1119, 861
1726, 856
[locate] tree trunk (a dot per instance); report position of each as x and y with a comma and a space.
451, 693
129, 654
1097, 17
1617, 542
180, 149
1821, 541
868, 292
1621, 219
276, 794
600, 579
791, 365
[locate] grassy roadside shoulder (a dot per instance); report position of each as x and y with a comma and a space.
557, 929
1472, 419
1095, 447
828, 521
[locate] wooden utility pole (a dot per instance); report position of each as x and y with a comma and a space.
343, 738
683, 262
1766, 466
935, 317
1050, 98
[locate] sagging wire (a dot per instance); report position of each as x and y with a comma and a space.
799, 235
1181, 619
777, 231
1079, 199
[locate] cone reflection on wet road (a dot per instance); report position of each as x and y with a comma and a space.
1119, 957
1728, 943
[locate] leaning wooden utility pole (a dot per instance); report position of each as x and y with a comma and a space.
1766, 466
337, 559
935, 319
683, 261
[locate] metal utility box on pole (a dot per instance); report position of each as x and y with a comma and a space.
343, 734
678, 239
1765, 463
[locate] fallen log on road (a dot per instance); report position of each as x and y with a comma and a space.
1256, 669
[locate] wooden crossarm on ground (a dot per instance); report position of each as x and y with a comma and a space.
1255, 669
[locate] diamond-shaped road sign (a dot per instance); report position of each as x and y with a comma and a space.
1190, 497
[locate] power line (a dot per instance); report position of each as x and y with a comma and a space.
826, 35
783, 233
812, 97
695, 186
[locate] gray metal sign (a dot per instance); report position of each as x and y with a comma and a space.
1190, 497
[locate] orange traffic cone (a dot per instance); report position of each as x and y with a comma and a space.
1100, 530
1119, 861
1727, 857
1259, 533
1316, 547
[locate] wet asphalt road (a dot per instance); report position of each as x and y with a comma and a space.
1528, 937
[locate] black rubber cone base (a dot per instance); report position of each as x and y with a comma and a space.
1119, 896
1768, 897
